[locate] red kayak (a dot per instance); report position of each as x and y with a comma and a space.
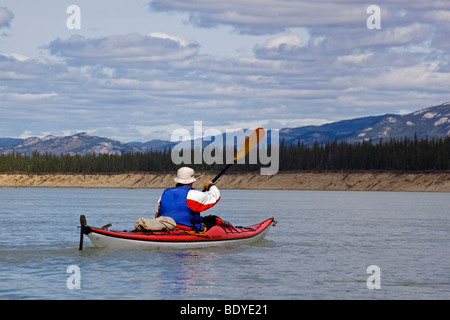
217, 235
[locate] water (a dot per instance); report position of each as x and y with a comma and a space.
320, 249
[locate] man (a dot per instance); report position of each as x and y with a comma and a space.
183, 203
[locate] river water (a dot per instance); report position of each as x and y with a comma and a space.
326, 245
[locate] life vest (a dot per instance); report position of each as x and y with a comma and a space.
173, 204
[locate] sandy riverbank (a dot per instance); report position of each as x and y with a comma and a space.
358, 180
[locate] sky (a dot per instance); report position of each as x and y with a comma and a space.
137, 70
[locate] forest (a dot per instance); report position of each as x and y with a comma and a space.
395, 154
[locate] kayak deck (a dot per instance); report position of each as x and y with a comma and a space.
217, 235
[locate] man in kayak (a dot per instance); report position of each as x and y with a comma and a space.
183, 203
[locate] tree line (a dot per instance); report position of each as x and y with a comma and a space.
394, 154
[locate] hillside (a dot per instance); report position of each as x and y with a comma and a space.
430, 122
337, 180
81, 143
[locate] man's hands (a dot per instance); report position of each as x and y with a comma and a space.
207, 185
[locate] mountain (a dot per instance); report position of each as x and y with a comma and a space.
341, 130
154, 145
431, 122
81, 143
9, 142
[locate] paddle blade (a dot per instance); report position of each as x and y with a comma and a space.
250, 142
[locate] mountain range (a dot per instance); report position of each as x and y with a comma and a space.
430, 122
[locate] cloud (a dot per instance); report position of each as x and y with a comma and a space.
26, 134
288, 40
401, 35
416, 77
132, 48
355, 58
28, 97
263, 16
6, 17
111, 86
15, 56
274, 16
285, 46
312, 62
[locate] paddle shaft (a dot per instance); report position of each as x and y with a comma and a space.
220, 174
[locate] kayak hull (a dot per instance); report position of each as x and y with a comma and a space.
216, 236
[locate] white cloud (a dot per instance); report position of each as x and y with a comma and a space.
26, 134
413, 33
6, 16
15, 56
288, 40
132, 48
160, 35
29, 97
355, 58
425, 75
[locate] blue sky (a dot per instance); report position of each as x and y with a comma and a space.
137, 70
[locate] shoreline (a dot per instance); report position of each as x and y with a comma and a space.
434, 181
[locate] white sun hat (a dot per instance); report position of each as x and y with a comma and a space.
185, 175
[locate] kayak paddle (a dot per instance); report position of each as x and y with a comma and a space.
249, 143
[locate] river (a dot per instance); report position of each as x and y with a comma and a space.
326, 245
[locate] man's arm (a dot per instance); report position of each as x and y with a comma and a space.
200, 201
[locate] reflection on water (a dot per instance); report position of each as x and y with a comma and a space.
191, 273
